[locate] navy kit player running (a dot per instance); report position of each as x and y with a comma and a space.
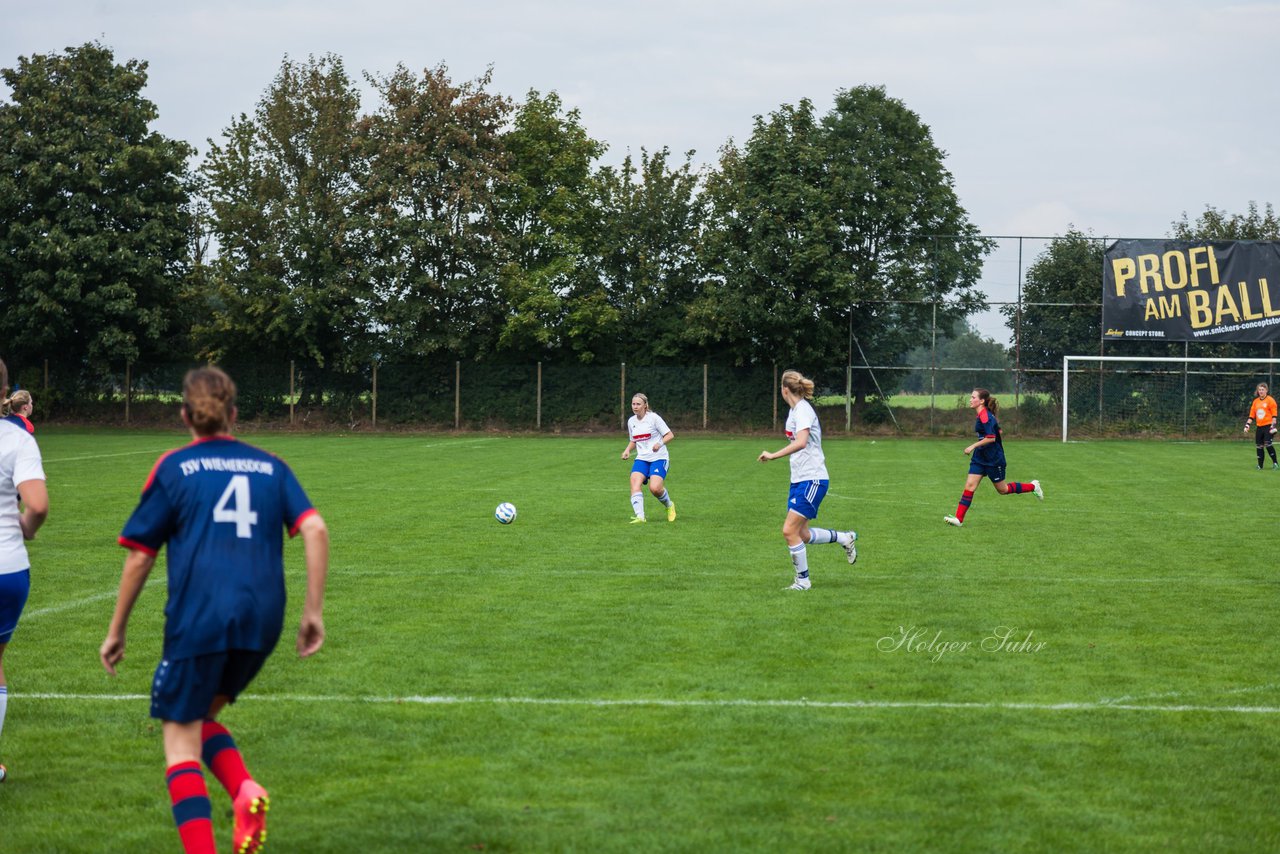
648, 435
24, 505
988, 458
221, 506
809, 480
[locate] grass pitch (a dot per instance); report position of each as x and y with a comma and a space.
1095, 672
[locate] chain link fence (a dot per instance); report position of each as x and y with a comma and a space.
922, 392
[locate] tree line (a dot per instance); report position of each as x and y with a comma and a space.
450, 218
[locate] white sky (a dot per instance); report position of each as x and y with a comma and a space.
1114, 116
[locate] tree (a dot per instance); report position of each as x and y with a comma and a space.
1060, 309
832, 232
984, 361
768, 248
545, 213
902, 231
93, 218
429, 195
642, 261
1214, 224
289, 277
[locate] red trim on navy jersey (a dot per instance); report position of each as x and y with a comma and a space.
983, 415
293, 532
224, 436
137, 546
152, 476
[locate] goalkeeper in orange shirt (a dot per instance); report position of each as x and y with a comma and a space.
1262, 412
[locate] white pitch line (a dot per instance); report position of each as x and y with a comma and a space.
67, 606
105, 456
1252, 689
159, 451
448, 443
867, 705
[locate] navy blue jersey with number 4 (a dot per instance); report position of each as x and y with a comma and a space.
222, 506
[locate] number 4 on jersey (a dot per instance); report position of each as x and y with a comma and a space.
237, 495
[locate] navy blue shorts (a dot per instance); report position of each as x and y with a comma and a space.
183, 689
993, 473
805, 497
657, 468
14, 589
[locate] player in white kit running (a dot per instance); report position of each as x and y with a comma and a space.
648, 435
809, 480
24, 505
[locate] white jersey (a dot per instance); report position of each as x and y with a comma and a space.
644, 432
808, 463
19, 462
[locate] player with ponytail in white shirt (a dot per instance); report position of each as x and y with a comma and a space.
648, 435
809, 480
24, 505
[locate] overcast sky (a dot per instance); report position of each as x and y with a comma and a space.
1114, 117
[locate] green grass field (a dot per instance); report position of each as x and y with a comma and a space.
575, 683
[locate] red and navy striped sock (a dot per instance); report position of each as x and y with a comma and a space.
963, 507
223, 757
1019, 488
191, 808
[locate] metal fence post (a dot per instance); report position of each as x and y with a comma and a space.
1017, 342
848, 396
538, 417
775, 396
704, 395
933, 365
457, 395
375, 394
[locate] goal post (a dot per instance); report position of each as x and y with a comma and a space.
1158, 395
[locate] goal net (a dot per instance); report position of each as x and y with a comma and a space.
1126, 396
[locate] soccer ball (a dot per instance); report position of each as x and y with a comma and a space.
506, 513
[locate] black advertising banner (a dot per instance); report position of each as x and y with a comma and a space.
1175, 290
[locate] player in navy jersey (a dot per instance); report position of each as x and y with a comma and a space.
221, 506
649, 436
987, 458
809, 480
24, 505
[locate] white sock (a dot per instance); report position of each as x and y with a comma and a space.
818, 536
4, 704
637, 503
799, 559
665, 498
